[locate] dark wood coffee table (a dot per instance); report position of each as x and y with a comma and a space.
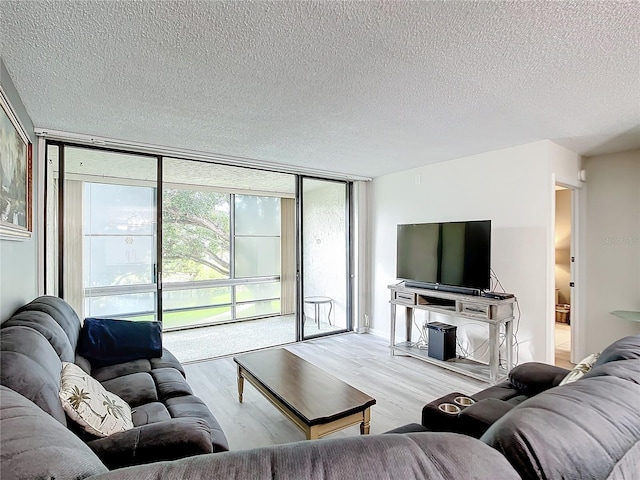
318, 403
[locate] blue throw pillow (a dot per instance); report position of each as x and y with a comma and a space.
108, 342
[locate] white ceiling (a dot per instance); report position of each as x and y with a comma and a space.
362, 88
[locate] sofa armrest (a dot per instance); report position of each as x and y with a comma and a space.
477, 418
167, 440
535, 377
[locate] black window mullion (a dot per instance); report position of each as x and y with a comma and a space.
158, 267
232, 251
61, 175
299, 266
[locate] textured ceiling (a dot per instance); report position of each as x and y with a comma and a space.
363, 88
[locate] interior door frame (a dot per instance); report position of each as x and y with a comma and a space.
576, 272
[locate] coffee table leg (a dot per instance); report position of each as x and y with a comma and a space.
313, 433
364, 426
240, 384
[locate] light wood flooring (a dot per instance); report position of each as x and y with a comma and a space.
563, 345
401, 386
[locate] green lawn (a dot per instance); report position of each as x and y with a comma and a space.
220, 297
208, 315
194, 317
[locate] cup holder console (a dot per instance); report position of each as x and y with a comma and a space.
464, 401
449, 408
446, 414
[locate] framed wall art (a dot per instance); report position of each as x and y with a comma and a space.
16, 187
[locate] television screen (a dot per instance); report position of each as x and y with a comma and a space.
453, 253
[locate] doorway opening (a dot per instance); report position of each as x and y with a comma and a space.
564, 260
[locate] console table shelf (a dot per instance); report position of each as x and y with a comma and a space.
497, 313
464, 366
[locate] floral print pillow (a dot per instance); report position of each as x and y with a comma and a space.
87, 402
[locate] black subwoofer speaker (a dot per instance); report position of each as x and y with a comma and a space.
442, 340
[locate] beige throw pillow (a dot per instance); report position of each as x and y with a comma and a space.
87, 402
581, 369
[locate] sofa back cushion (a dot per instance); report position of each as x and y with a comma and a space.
61, 312
430, 455
585, 429
30, 366
624, 349
48, 327
33, 445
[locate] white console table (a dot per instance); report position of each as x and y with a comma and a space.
497, 313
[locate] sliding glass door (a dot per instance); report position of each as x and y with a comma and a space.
325, 248
223, 242
195, 244
196, 248
107, 229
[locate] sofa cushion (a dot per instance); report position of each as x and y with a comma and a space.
98, 411
149, 413
187, 406
154, 442
48, 327
60, 311
502, 391
107, 342
628, 370
135, 388
30, 366
121, 369
580, 430
83, 363
170, 383
192, 406
34, 445
433, 456
167, 360
624, 349
135, 366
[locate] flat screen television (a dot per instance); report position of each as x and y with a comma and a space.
453, 256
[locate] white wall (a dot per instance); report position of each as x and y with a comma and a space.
514, 188
612, 240
564, 165
18, 259
324, 246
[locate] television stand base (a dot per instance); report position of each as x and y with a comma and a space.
497, 313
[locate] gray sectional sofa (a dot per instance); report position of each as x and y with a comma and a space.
588, 429
36, 446
169, 421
